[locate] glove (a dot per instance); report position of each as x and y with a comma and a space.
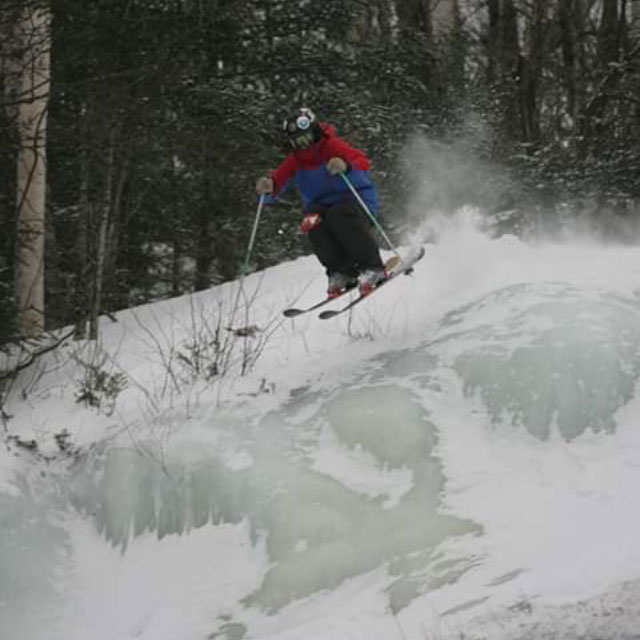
264, 185
336, 165
310, 221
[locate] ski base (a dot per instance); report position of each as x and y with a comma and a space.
405, 266
293, 312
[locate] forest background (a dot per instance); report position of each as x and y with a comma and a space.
132, 131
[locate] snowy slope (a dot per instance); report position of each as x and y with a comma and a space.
459, 458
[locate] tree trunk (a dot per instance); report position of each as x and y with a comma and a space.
101, 249
384, 18
414, 14
504, 61
204, 256
84, 284
635, 19
443, 17
608, 33
117, 221
415, 26
530, 71
569, 22
596, 128
204, 223
503, 45
32, 37
371, 22
509, 43
493, 42
176, 268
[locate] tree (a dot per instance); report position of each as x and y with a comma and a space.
26, 57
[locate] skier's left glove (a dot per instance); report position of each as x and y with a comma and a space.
264, 186
336, 165
310, 221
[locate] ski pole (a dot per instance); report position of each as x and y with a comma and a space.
373, 219
254, 231
245, 266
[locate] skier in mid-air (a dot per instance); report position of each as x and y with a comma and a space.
337, 227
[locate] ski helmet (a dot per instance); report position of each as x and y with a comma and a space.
301, 129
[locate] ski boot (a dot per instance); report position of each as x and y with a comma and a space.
339, 283
368, 280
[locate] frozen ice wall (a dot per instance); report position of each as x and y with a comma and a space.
297, 476
555, 357
34, 546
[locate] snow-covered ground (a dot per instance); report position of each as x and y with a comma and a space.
460, 458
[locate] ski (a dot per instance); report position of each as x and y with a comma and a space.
292, 312
406, 267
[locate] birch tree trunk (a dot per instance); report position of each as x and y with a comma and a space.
32, 37
443, 17
371, 21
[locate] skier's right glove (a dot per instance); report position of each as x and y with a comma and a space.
264, 185
310, 221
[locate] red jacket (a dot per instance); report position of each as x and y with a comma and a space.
306, 167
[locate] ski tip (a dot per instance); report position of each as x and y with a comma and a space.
291, 313
392, 263
325, 315
418, 256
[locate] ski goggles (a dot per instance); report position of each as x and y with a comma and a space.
301, 140
301, 123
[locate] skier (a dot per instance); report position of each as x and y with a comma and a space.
336, 225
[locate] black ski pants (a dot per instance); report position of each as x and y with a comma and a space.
343, 241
